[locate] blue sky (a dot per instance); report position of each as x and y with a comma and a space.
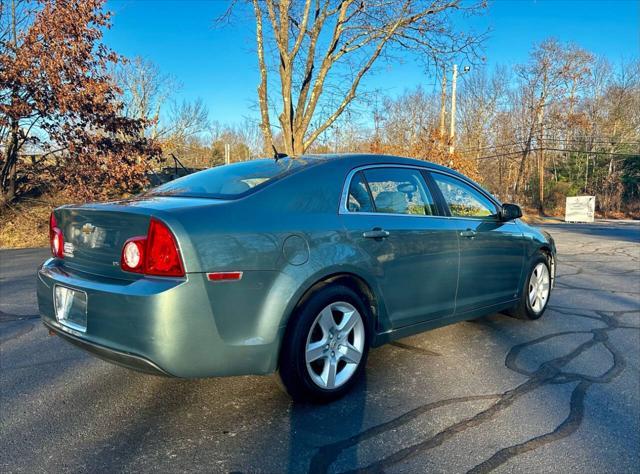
217, 64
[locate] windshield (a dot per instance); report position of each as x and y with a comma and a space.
230, 181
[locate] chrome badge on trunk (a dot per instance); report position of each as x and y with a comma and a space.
89, 236
67, 249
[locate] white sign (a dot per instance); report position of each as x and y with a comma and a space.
580, 209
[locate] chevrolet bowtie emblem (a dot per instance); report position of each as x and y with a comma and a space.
87, 228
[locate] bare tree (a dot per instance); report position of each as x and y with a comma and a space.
186, 119
542, 82
481, 98
145, 90
322, 49
184, 131
251, 136
408, 121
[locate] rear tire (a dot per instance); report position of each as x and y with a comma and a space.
325, 346
535, 294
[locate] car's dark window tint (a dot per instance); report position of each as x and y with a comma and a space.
399, 191
230, 181
462, 199
359, 199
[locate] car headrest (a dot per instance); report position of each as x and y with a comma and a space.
234, 187
393, 202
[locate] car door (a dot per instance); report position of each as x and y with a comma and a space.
389, 212
491, 250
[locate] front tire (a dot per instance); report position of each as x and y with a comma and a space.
325, 346
536, 292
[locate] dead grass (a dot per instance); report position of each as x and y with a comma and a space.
26, 224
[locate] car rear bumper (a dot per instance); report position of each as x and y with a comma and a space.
164, 326
125, 359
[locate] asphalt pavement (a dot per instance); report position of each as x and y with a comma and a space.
561, 394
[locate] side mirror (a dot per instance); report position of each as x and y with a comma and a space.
510, 212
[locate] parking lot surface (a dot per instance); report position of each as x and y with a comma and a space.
561, 394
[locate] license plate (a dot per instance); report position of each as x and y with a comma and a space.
71, 307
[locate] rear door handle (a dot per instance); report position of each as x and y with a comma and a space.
470, 234
376, 233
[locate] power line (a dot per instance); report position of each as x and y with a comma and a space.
532, 150
591, 152
587, 140
558, 140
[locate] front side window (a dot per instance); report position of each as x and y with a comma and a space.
399, 191
462, 199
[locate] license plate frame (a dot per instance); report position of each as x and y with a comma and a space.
70, 307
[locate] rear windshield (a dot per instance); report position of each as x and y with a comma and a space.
230, 181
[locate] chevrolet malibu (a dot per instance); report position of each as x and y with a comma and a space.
295, 266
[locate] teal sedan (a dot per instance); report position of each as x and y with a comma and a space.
295, 266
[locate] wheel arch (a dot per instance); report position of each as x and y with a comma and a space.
548, 250
359, 284
350, 280
551, 258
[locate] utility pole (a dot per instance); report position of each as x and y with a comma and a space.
541, 166
452, 131
586, 172
443, 103
227, 154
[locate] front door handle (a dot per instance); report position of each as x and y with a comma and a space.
376, 233
469, 233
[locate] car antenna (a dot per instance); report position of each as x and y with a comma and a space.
276, 155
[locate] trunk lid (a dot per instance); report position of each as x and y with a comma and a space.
94, 234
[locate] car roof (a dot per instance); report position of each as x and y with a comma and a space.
354, 160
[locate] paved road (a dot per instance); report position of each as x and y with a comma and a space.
561, 394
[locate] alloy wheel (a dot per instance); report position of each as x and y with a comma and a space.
335, 345
539, 287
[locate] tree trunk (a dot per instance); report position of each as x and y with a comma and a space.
540, 120
523, 162
263, 97
8, 172
541, 180
293, 139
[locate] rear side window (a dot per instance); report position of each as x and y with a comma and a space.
230, 181
462, 199
359, 198
399, 191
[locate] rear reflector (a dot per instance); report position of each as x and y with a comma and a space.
224, 276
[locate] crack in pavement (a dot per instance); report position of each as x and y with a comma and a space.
20, 331
327, 454
9, 317
24, 329
567, 286
549, 372
576, 410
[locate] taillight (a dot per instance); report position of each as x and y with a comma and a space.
154, 254
56, 239
163, 257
